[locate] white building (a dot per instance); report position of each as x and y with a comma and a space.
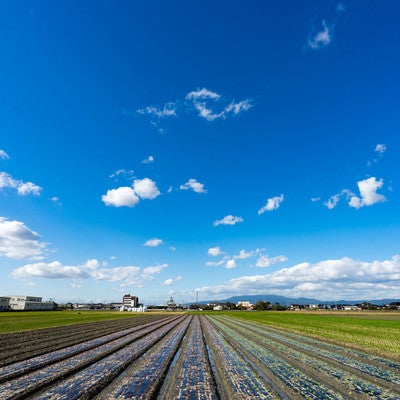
4, 303
30, 303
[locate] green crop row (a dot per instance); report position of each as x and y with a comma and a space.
379, 335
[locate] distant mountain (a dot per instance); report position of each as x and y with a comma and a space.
286, 301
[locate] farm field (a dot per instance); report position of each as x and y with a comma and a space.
188, 356
29, 320
377, 332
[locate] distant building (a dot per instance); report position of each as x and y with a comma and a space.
4, 303
130, 301
30, 303
171, 305
245, 304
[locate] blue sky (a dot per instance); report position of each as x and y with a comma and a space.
224, 148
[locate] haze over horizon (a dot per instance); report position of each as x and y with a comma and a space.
224, 148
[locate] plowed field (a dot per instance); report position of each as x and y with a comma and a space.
187, 357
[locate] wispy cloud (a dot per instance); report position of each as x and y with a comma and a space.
264, 261
193, 185
228, 220
207, 103
3, 155
23, 188
272, 204
153, 242
169, 110
148, 160
321, 38
380, 150
17, 241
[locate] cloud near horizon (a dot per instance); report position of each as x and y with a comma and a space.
334, 280
91, 269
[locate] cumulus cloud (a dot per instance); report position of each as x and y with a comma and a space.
126, 196
228, 220
207, 103
215, 251
23, 188
193, 185
272, 204
18, 241
146, 188
321, 38
338, 279
153, 242
120, 197
368, 193
3, 155
91, 269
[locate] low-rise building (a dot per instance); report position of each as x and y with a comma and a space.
4, 303
30, 303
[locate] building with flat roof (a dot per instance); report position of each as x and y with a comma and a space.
30, 303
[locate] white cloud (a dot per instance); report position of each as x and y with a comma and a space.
215, 251
230, 264
202, 94
91, 269
122, 196
243, 254
315, 199
228, 220
23, 188
380, 148
148, 160
169, 110
265, 261
4, 155
202, 98
153, 242
146, 188
127, 173
339, 279
194, 185
333, 201
126, 196
18, 241
368, 193
272, 204
322, 38
170, 281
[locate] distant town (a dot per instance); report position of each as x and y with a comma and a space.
131, 303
